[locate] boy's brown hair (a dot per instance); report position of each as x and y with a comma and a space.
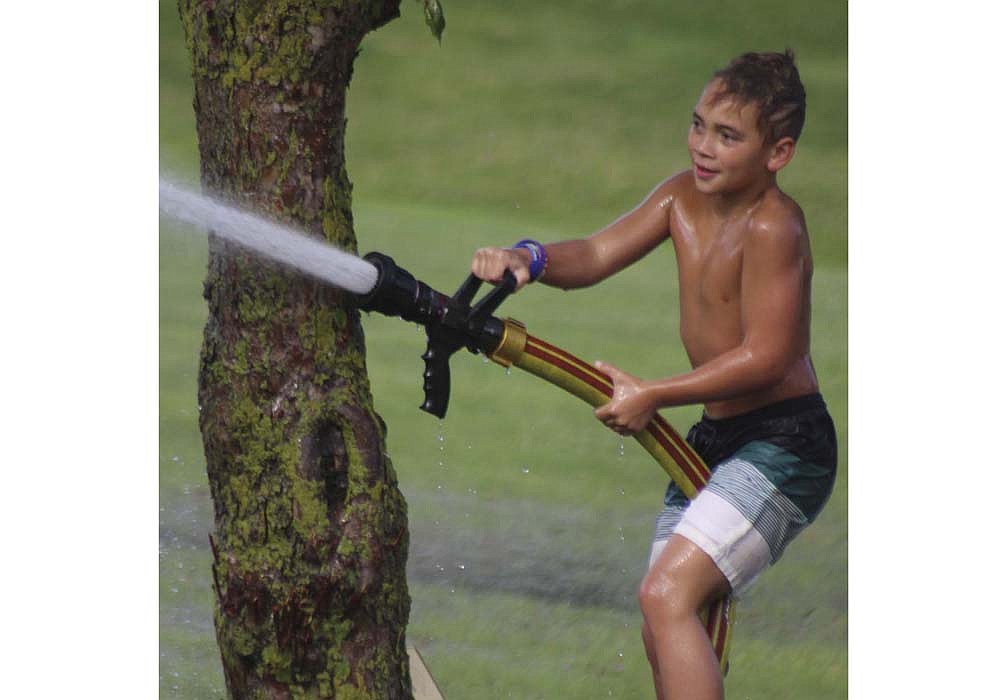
770, 81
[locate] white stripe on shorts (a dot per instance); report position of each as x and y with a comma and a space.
721, 531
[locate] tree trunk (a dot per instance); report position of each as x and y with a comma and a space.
310, 537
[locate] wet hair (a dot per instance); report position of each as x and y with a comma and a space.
770, 81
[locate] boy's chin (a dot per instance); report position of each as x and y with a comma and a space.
712, 185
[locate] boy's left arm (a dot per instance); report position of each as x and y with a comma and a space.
774, 313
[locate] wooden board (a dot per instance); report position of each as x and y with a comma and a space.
424, 687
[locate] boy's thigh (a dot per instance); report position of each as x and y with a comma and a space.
718, 530
684, 572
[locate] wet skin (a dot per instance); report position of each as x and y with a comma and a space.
744, 270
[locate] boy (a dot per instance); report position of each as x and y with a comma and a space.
745, 272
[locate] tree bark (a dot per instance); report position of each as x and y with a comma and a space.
310, 537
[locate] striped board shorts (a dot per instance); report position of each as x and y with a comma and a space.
773, 470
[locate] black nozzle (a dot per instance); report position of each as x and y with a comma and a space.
451, 323
398, 293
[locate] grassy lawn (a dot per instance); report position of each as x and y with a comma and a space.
529, 527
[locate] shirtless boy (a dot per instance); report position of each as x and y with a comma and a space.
745, 273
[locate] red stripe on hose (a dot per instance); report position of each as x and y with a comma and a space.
554, 356
692, 469
679, 450
712, 621
692, 472
720, 640
682, 444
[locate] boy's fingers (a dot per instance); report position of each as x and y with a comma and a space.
603, 413
608, 369
522, 277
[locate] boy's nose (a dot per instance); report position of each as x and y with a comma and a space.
703, 145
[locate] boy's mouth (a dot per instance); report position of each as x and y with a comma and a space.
703, 173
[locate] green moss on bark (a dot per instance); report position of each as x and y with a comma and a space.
310, 533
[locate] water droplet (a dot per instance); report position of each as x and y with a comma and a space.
486, 360
621, 447
473, 492
620, 654
440, 487
525, 470
507, 371
621, 491
461, 567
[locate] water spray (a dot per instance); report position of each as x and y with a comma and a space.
275, 241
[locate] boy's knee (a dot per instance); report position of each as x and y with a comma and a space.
661, 597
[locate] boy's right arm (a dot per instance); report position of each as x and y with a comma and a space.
586, 261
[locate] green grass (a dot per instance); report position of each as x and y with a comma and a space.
542, 119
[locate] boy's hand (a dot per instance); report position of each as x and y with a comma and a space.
488, 264
630, 408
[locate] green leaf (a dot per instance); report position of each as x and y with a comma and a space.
434, 17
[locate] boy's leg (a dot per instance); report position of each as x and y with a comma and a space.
647, 640
681, 582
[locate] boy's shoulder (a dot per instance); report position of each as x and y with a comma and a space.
777, 216
679, 185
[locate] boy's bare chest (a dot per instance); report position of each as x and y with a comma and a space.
710, 262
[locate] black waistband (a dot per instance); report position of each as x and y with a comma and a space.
781, 409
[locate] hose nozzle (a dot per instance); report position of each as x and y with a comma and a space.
451, 323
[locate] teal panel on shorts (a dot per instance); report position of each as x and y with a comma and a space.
805, 483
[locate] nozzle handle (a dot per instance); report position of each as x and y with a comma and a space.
467, 291
489, 303
437, 379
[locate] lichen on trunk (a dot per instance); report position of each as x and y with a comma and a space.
310, 536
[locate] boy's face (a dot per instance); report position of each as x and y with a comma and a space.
727, 150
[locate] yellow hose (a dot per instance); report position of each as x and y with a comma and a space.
668, 448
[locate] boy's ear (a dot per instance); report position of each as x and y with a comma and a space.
781, 154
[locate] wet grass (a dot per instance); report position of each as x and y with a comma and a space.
544, 120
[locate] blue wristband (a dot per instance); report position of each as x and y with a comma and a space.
539, 258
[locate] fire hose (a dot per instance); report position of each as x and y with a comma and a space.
453, 323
